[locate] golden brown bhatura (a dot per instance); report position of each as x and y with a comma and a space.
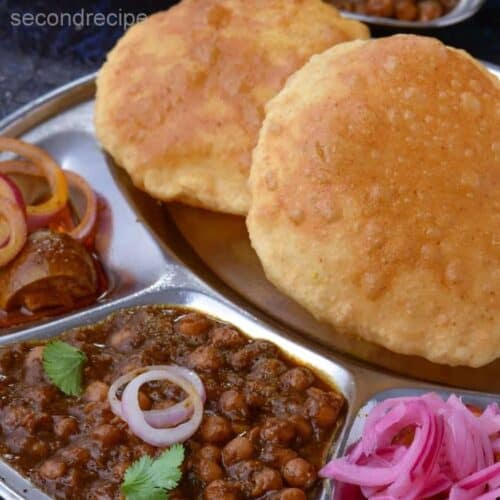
376, 196
181, 97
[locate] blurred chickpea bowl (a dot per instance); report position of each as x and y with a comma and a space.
409, 13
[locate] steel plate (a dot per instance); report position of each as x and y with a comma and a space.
179, 255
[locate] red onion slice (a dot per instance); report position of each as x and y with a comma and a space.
74, 181
136, 420
18, 231
49, 169
165, 417
10, 191
89, 218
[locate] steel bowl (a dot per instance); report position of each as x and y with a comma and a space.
463, 10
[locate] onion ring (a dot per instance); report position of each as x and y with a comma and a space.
37, 214
10, 191
18, 233
135, 418
165, 417
89, 219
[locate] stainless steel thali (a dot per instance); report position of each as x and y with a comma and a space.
185, 256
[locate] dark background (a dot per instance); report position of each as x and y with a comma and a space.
34, 60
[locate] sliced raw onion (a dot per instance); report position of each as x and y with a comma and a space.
452, 452
135, 418
89, 218
38, 214
166, 426
11, 192
165, 417
14, 216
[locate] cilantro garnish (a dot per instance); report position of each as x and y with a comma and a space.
150, 479
63, 365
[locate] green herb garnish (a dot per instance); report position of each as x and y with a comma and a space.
63, 365
149, 479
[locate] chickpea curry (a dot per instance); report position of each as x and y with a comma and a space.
264, 429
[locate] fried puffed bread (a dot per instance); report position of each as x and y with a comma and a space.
376, 196
181, 97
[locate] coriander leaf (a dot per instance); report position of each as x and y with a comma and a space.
63, 365
139, 483
148, 479
166, 468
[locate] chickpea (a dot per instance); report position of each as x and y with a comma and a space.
193, 325
224, 336
76, 456
267, 369
448, 5
277, 456
145, 402
254, 435
247, 355
299, 473
240, 448
33, 370
323, 407
107, 435
215, 430
233, 405
125, 340
291, 494
264, 480
41, 395
299, 379
210, 452
406, 10
205, 358
53, 468
429, 10
382, 8
303, 428
96, 391
65, 427
277, 431
222, 490
37, 448
209, 471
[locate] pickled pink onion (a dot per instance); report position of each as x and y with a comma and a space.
452, 452
162, 427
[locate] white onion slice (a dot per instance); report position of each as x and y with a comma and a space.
136, 420
165, 417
